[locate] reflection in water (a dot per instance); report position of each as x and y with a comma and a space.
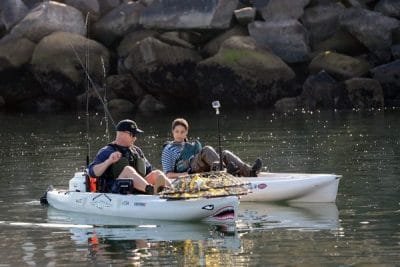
296, 216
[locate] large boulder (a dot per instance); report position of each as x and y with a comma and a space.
287, 38
280, 9
130, 40
119, 21
125, 86
50, 17
108, 5
197, 14
12, 11
212, 47
373, 29
243, 73
87, 7
15, 53
166, 71
388, 77
364, 93
322, 21
340, 66
58, 59
245, 15
322, 91
389, 8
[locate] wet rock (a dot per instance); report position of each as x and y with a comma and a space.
131, 39
287, 104
212, 47
287, 38
372, 29
173, 38
243, 74
280, 9
322, 91
116, 23
389, 8
322, 22
245, 15
150, 105
125, 86
65, 81
396, 51
108, 5
364, 93
87, 7
388, 76
15, 53
119, 106
47, 18
12, 11
339, 66
177, 14
166, 71
343, 43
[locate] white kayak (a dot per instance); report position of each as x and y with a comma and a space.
292, 187
150, 207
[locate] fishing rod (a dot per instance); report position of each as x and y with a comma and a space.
216, 105
87, 92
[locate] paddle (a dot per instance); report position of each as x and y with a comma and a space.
207, 184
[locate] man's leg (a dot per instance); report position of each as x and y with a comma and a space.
138, 181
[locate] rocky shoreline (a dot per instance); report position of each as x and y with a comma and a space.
155, 55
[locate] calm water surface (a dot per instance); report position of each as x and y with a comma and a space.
361, 229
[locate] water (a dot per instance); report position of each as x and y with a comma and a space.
361, 228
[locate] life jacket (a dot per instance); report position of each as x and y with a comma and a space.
182, 163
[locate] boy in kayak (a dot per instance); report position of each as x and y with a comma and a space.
122, 159
180, 157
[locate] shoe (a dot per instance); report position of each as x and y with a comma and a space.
149, 190
256, 168
216, 166
231, 168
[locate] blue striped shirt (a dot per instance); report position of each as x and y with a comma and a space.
169, 156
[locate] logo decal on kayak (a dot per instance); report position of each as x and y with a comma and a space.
261, 186
208, 207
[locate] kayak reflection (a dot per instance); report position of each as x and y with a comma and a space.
121, 228
298, 216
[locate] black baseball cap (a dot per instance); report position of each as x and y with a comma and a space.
128, 126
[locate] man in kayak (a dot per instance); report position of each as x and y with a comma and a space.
122, 159
181, 157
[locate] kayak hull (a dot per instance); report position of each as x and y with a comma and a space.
292, 187
152, 207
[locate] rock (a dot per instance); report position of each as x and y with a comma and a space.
177, 14
59, 69
280, 9
388, 77
396, 51
108, 5
18, 85
125, 86
364, 93
287, 104
166, 71
15, 53
116, 23
118, 107
173, 38
389, 8
150, 105
47, 18
2, 102
96, 98
340, 66
372, 29
12, 11
322, 22
212, 47
87, 7
287, 38
243, 74
322, 91
131, 39
41, 104
343, 43
245, 15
